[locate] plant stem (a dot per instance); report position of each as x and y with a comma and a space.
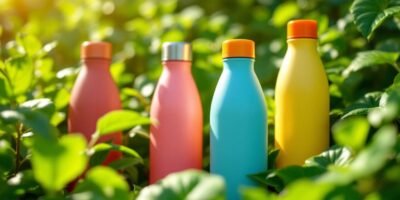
18, 147
397, 67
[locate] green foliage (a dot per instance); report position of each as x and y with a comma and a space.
102, 183
370, 14
335, 156
39, 61
190, 184
120, 120
372, 58
50, 158
351, 133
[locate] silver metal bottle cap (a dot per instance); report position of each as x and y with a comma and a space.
176, 51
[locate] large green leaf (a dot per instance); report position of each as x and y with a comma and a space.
20, 73
371, 58
351, 132
335, 156
190, 184
375, 156
57, 163
102, 183
363, 106
120, 120
370, 14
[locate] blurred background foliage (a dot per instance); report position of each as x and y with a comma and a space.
40, 45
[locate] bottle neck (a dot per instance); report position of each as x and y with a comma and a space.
177, 66
239, 64
96, 63
303, 44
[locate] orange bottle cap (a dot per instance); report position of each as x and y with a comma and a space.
96, 50
239, 48
302, 28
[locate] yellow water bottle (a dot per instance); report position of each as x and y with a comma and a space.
301, 97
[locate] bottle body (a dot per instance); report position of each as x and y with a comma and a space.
93, 95
238, 125
302, 104
176, 134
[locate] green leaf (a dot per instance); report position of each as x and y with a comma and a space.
190, 184
357, 112
256, 193
62, 98
268, 179
31, 44
364, 105
307, 189
272, 155
121, 148
45, 106
338, 156
39, 123
20, 73
57, 163
370, 14
11, 116
120, 120
100, 151
19, 186
371, 58
102, 183
292, 173
368, 161
284, 12
376, 154
351, 132
124, 163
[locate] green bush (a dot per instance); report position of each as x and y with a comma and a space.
40, 40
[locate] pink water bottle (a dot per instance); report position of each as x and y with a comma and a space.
176, 134
94, 94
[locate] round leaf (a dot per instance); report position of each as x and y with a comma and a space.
120, 120
351, 132
190, 184
57, 163
102, 183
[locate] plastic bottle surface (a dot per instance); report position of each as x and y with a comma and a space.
176, 134
301, 98
238, 119
94, 94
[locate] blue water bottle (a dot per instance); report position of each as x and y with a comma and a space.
238, 119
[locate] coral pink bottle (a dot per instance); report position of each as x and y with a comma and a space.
94, 94
176, 134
